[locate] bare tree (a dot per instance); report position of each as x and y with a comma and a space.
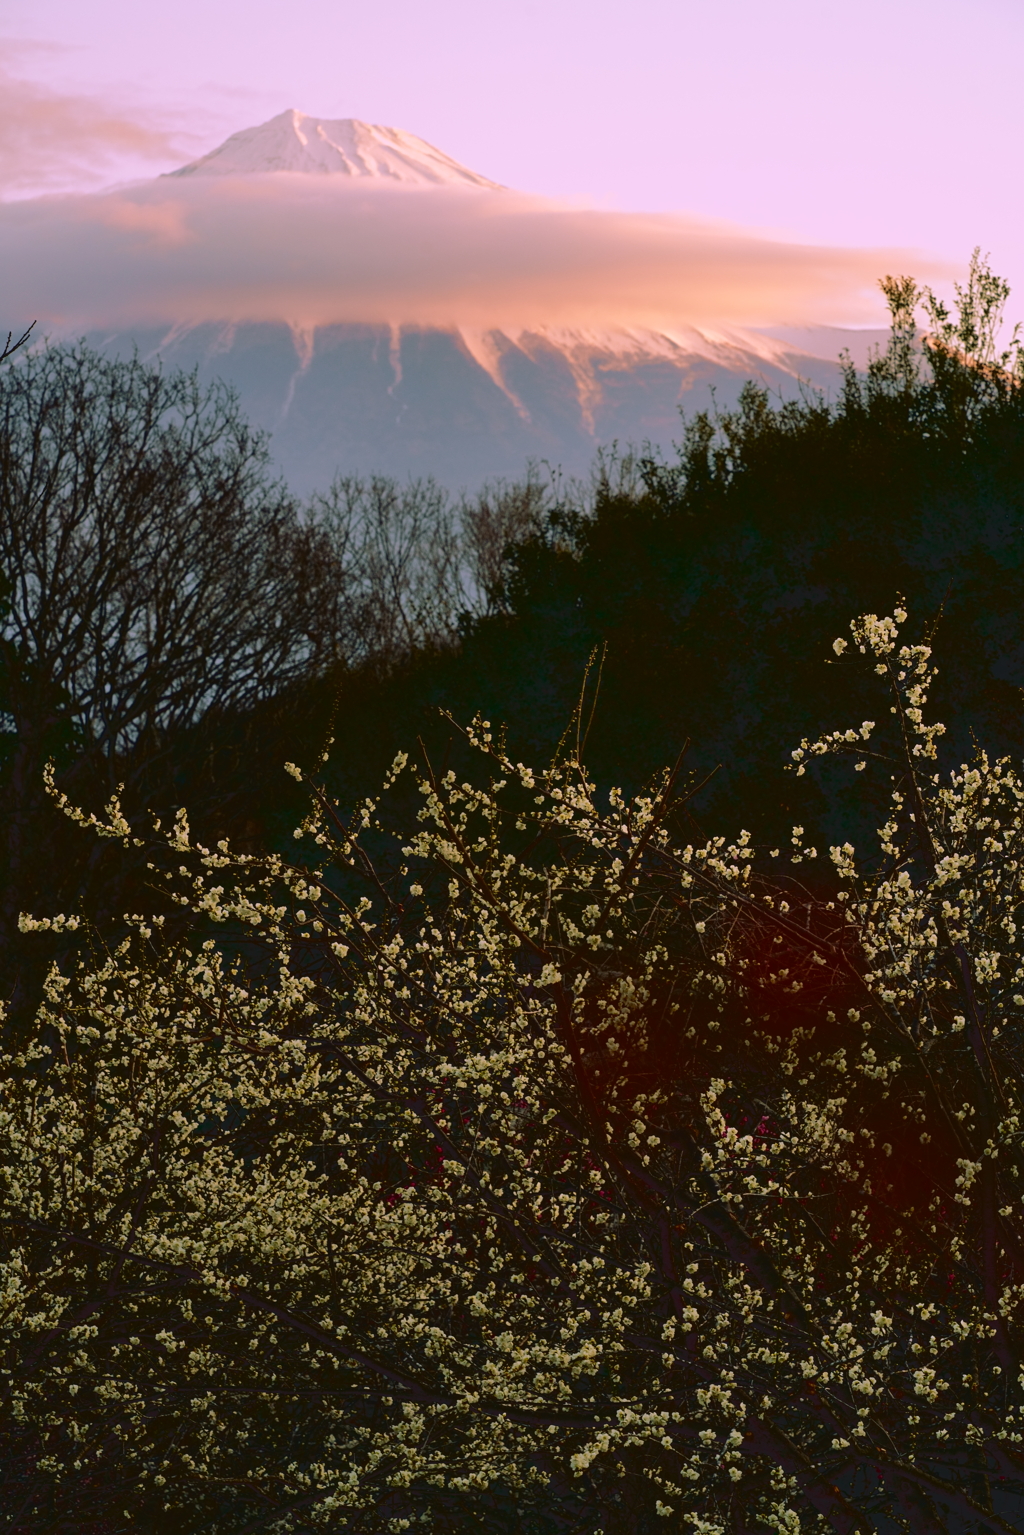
398, 548
500, 516
11, 346
155, 578
154, 572
414, 563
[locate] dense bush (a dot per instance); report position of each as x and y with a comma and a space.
711, 581
568, 1178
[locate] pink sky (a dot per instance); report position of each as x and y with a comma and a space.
867, 123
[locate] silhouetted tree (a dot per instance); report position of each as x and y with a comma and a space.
415, 563
711, 576
156, 576
11, 345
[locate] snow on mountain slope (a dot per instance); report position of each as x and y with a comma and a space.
467, 405
294, 141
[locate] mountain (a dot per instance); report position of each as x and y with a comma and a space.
344, 146
463, 404
466, 405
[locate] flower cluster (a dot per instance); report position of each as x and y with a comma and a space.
561, 1168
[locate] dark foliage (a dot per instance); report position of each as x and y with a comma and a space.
712, 586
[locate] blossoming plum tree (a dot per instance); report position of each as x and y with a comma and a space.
557, 1175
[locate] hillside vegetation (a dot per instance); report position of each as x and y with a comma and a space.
708, 588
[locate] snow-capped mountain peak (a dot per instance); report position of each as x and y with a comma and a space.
295, 141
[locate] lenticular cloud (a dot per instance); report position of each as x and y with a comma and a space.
314, 252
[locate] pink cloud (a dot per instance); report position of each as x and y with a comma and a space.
313, 251
160, 224
48, 138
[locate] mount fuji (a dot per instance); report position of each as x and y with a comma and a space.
461, 403
316, 146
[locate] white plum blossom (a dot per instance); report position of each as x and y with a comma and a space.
557, 1167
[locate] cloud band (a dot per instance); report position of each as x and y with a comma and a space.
313, 251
